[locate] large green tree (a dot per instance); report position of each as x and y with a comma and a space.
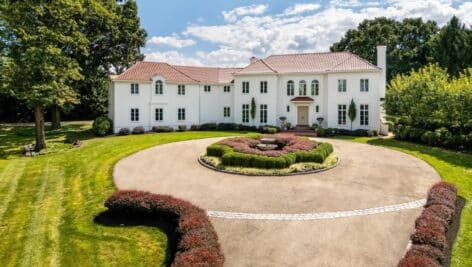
407, 42
451, 47
38, 69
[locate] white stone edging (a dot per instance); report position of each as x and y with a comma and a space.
315, 216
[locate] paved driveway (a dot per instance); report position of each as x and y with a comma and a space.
367, 177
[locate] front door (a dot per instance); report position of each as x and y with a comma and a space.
302, 115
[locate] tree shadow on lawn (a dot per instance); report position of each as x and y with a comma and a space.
164, 222
11, 138
456, 158
453, 230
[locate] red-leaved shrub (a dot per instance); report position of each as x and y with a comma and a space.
426, 250
418, 261
429, 239
286, 143
197, 243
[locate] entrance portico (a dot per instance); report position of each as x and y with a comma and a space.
303, 106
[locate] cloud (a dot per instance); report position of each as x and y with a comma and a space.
172, 41
248, 35
300, 8
234, 14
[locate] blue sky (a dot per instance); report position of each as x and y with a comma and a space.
227, 33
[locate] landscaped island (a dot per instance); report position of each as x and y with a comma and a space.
269, 155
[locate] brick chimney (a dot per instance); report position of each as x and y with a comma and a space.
252, 59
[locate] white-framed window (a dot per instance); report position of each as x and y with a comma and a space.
226, 112
364, 115
288, 108
245, 117
364, 85
207, 88
342, 114
226, 89
342, 85
290, 88
263, 113
302, 88
246, 87
159, 87
263, 87
181, 89
317, 109
181, 114
135, 88
159, 116
135, 114
315, 87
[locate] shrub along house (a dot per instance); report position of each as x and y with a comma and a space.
300, 87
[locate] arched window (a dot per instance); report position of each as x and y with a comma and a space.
159, 89
302, 88
290, 88
315, 87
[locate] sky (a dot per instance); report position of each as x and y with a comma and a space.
228, 32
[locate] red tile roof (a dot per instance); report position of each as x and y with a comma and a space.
145, 70
309, 63
302, 99
294, 63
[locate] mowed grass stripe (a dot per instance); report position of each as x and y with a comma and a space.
9, 181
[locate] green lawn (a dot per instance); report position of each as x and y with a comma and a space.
453, 167
47, 203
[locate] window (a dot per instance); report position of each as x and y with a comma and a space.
181, 89
245, 113
135, 88
159, 90
159, 114
207, 88
342, 114
290, 88
263, 113
302, 88
226, 89
364, 114
263, 87
181, 114
226, 112
364, 85
288, 108
135, 114
342, 85
245, 87
315, 87
317, 109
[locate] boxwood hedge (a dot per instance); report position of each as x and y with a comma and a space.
231, 158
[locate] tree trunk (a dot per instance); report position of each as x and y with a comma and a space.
56, 117
39, 124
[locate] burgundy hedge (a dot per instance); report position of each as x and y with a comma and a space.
197, 243
429, 239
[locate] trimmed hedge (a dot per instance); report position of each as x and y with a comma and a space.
231, 158
138, 130
197, 240
329, 132
162, 129
429, 241
124, 131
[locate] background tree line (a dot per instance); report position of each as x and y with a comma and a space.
58, 55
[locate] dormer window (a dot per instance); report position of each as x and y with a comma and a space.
159, 87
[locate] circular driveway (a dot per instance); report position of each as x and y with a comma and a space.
367, 176
376, 188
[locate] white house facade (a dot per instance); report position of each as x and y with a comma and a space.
302, 88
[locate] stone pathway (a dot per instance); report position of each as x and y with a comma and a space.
305, 220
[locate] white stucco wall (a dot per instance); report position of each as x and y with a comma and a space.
203, 107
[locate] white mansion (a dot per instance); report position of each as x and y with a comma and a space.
299, 87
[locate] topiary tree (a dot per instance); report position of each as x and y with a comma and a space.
352, 112
253, 110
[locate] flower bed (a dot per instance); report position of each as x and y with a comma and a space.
429, 241
197, 240
291, 150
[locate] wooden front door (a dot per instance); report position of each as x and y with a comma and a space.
302, 116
